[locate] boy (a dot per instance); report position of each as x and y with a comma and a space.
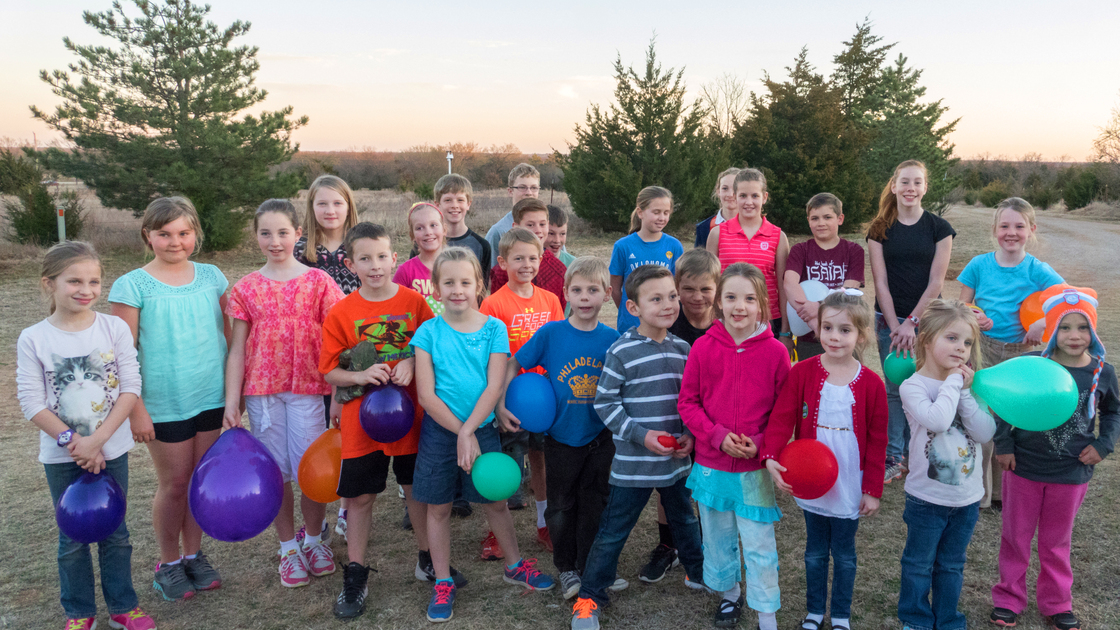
637, 400
532, 214
524, 182
558, 234
578, 449
523, 308
366, 342
453, 197
827, 258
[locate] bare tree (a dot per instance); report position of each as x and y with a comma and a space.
726, 99
1107, 144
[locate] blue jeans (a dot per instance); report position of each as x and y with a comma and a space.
898, 430
936, 541
624, 507
825, 535
114, 554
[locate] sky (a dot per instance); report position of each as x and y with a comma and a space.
1022, 76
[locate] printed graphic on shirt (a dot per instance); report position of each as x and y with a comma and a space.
524, 325
638, 263
82, 387
827, 272
581, 384
951, 455
389, 335
1077, 425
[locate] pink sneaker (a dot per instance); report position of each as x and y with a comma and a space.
293, 570
134, 619
89, 623
320, 559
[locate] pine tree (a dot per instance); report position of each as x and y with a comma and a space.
859, 72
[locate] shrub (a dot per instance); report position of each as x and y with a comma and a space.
971, 197
17, 173
33, 220
1085, 186
994, 193
424, 190
1042, 196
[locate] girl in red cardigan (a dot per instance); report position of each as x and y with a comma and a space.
838, 401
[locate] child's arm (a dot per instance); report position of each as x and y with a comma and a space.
905, 334
713, 241
616, 290
882, 289
235, 374
507, 420
402, 373
876, 417
495, 386
691, 407
1004, 445
1108, 412
227, 326
795, 295
935, 415
978, 423
968, 294
378, 374
141, 422
426, 392
608, 404
780, 266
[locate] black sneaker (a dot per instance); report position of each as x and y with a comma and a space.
729, 612
1003, 617
661, 560
425, 571
1064, 621
202, 574
461, 508
351, 601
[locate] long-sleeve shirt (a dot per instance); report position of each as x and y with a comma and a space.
637, 394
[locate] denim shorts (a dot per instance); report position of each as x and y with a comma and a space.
438, 478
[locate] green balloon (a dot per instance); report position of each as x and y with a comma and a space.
496, 476
898, 369
1031, 393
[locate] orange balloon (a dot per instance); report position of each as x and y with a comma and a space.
321, 466
1030, 311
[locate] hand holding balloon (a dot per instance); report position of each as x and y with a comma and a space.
402, 372
378, 374
1034, 333
684, 446
508, 422
231, 419
653, 443
776, 471
86, 452
468, 449
669, 441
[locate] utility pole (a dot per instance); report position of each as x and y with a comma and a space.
449, 158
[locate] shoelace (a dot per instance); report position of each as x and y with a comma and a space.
443, 593
351, 590
290, 563
584, 608
177, 573
527, 571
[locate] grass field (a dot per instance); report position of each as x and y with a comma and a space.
251, 596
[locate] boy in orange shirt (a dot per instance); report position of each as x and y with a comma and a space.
523, 308
532, 214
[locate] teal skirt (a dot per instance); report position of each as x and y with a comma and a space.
747, 494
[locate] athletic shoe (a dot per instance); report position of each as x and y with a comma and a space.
570, 583
461, 508
491, 550
172, 582
544, 538
585, 615
894, 471
697, 585
320, 559
301, 534
619, 584
293, 570
202, 574
325, 533
440, 608
526, 574
729, 612
426, 571
351, 601
517, 501
1064, 621
340, 527
1003, 617
89, 623
661, 560
134, 619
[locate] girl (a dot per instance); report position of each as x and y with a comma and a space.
724, 195
834, 399
278, 315
460, 369
647, 244
755, 240
78, 379
944, 488
909, 250
174, 309
737, 354
425, 225
998, 282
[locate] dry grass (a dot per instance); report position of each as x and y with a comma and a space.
252, 598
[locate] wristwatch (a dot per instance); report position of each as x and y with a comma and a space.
65, 437
785, 333
913, 319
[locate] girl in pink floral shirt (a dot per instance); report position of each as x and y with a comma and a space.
278, 315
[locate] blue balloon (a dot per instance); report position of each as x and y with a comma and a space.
387, 413
236, 489
531, 400
91, 508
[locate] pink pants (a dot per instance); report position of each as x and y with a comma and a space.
1050, 508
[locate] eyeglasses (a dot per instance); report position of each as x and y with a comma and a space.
524, 189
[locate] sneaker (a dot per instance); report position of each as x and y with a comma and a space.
320, 559
340, 527
526, 574
89, 623
570, 583
325, 533
425, 571
1064, 621
544, 538
1003, 617
661, 560
729, 612
585, 615
491, 550
301, 534
134, 619
461, 508
351, 601
893, 471
172, 582
293, 570
619, 584
202, 574
517, 501
697, 585
440, 608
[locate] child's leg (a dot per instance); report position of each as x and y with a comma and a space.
721, 550
1055, 577
843, 546
624, 506
305, 425
1022, 508
418, 514
174, 463
593, 490
948, 567
269, 422
566, 465
75, 564
114, 554
357, 527
677, 500
501, 523
925, 525
760, 559
285, 520
192, 533
439, 538
818, 535
537, 481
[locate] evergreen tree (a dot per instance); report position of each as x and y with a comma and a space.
859, 72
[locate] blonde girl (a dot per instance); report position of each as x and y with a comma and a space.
428, 231
647, 244
724, 195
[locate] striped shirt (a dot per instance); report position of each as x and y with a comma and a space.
637, 394
761, 250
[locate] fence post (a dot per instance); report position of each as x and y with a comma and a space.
60, 210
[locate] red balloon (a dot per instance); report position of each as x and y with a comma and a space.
669, 441
811, 468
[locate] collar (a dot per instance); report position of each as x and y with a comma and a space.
766, 230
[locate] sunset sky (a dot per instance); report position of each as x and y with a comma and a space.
1022, 76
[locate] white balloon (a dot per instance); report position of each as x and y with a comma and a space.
815, 291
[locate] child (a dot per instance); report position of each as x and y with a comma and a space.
453, 195
833, 261
278, 315
78, 379
636, 399
834, 399
647, 244
523, 308
460, 363
697, 277
944, 487
532, 214
174, 309
753, 239
578, 449
724, 195
426, 227
524, 182
736, 497
558, 235
1047, 473
366, 342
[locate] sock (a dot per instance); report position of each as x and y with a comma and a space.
665, 534
288, 546
814, 617
447, 581
191, 556
768, 621
342, 513
732, 594
541, 506
511, 567
838, 622
309, 540
172, 563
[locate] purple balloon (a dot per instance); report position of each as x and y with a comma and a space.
387, 413
236, 489
91, 508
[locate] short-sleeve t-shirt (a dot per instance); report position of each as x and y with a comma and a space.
390, 326
285, 330
182, 342
566, 257
460, 361
523, 316
573, 361
908, 252
631, 252
831, 267
418, 277
1000, 290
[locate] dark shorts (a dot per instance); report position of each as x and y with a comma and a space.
327, 409
368, 474
183, 430
519, 443
438, 475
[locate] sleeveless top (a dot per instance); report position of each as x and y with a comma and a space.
760, 251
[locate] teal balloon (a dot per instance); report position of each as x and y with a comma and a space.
496, 476
1031, 393
898, 369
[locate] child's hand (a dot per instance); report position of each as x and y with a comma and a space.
508, 421
967, 372
378, 374
143, 431
467, 447
231, 419
1089, 456
902, 338
687, 442
335, 412
655, 447
776, 471
733, 445
1007, 462
86, 452
1034, 333
984, 321
749, 447
402, 372
807, 310
868, 505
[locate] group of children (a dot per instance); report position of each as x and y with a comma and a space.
692, 395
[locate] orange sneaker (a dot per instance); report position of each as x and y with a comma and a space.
491, 550
544, 538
